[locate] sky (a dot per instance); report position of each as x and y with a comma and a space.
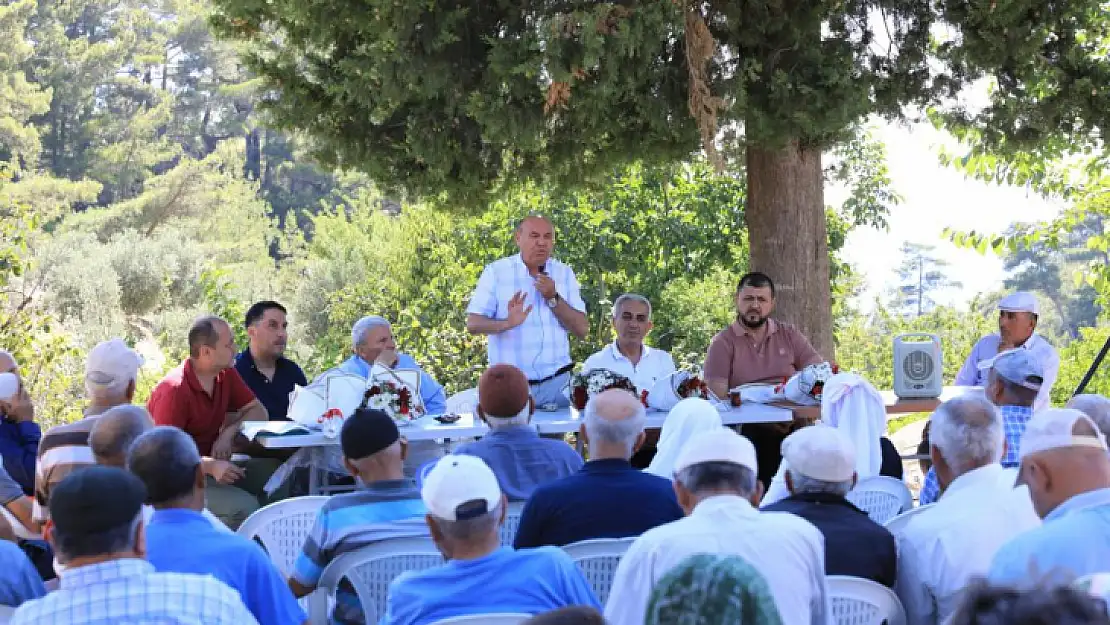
935, 197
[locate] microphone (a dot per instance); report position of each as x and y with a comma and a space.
543, 269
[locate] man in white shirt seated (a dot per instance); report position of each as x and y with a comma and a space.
628, 355
1017, 324
465, 509
715, 481
943, 547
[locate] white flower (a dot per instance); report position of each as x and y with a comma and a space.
378, 402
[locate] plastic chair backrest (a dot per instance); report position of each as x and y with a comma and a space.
512, 522
881, 497
370, 570
598, 560
18, 528
895, 525
486, 619
282, 528
857, 601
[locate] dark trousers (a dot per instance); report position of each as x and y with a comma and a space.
767, 440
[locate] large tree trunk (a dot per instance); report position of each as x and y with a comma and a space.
788, 237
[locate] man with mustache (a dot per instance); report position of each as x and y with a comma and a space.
628, 355
758, 349
263, 365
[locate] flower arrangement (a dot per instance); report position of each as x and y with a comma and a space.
586, 384
331, 422
693, 386
393, 399
671, 389
809, 382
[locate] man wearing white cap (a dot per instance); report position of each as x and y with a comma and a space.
820, 469
465, 509
942, 548
1064, 462
715, 481
111, 372
1017, 324
1014, 380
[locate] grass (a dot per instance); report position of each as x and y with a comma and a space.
898, 423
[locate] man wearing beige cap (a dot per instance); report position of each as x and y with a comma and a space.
111, 372
715, 481
1065, 464
820, 469
465, 508
1017, 324
521, 459
945, 546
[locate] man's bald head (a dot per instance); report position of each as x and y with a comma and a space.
1096, 407
614, 424
115, 431
1056, 475
8, 363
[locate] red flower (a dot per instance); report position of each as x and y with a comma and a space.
404, 409
643, 398
374, 390
835, 368
579, 397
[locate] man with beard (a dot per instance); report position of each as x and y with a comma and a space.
1017, 324
526, 304
758, 349
263, 365
628, 355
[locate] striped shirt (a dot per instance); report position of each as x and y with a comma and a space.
539, 347
129, 591
62, 450
347, 522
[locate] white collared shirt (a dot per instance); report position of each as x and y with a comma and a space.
943, 547
787, 550
987, 348
654, 364
539, 347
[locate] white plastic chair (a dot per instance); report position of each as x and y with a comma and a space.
858, 601
486, 619
282, 528
370, 570
6, 612
512, 522
598, 560
881, 497
898, 523
18, 528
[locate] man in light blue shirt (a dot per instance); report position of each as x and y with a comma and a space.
19, 581
1017, 324
465, 509
1065, 464
372, 341
179, 539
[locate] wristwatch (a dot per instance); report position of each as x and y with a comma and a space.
552, 302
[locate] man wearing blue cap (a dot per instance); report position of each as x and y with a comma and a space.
1017, 324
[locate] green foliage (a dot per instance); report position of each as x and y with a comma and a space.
1075, 358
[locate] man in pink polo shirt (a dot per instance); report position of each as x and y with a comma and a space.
206, 398
756, 348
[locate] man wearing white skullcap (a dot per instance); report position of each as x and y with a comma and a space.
1017, 324
715, 481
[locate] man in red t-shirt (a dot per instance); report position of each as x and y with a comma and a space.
206, 398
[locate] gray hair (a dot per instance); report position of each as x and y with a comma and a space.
616, 431
968, 432
520, 418
116, 430
717, 476
630, 297
1094, 406
363, 326
473, 529
114, 540
100, 385
165, 459
806, 484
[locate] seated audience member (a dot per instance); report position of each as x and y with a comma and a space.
97, 527
1065, 464
19, 581
715, 479
15, 502
820, 470
944, 547
574, 615
206, 398
520, 458
688, 418
710, 589
1096, 407
465, 509
19, 434
627, 355
608, 498
111, 372
385, 505
853, 406
180, 540
984, 604
1013, 380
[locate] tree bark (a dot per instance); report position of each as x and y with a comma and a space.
788, 238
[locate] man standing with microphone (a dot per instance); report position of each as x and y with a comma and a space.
526, 304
